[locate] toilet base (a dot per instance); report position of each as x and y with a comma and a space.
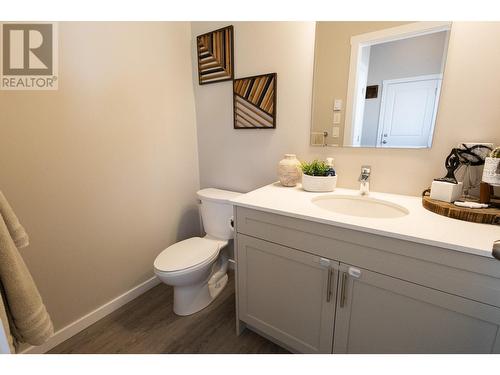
193, 298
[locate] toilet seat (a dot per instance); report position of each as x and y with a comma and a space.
188, 254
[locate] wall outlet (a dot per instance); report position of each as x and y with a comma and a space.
336, 132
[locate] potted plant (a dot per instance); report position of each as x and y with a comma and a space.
491, 171
318, 176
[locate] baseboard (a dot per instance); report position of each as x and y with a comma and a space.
85, 321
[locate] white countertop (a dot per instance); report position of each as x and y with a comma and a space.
420, 225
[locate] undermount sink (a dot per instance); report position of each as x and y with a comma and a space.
361, 206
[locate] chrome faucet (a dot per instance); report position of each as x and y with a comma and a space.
364, 179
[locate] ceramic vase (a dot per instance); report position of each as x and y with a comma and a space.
289, 171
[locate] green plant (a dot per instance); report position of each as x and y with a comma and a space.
315, 168
495, 153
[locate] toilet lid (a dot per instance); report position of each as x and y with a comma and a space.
186, 254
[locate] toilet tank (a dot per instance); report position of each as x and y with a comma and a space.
217, 212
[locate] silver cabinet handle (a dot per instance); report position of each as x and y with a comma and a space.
329, 285
343, 291
496, 249
354, 272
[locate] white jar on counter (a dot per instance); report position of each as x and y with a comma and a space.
289, 170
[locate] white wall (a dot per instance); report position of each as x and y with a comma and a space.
103, 172
245, 159
404, 58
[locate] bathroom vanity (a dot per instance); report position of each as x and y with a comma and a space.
388, 277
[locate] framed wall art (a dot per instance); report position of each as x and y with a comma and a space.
254, 102
215, 56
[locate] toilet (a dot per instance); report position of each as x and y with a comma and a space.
193, 266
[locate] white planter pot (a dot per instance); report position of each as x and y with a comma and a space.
319, 183
491, 171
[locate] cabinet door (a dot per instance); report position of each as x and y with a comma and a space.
287, 294
381, 314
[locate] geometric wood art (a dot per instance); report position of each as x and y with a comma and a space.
215, 56
254, 102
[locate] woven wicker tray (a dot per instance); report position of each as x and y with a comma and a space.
490, 215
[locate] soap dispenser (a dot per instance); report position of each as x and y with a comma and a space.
331, 170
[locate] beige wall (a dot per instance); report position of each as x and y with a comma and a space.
103, 172
331, 70
244, 160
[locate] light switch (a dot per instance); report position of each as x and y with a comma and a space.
336, 117
335, 132
337, 105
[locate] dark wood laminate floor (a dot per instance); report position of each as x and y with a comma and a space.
148, 325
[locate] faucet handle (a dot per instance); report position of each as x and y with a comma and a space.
365, 172
366, 169
364, 178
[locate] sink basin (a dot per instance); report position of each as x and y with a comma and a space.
361, 206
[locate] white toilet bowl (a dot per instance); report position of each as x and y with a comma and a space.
195, 270
194, 267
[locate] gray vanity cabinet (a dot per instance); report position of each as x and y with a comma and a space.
382, 314
287, 294
317, 288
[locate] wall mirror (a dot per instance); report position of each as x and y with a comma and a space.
377, 84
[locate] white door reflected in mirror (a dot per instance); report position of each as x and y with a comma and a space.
407, 111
